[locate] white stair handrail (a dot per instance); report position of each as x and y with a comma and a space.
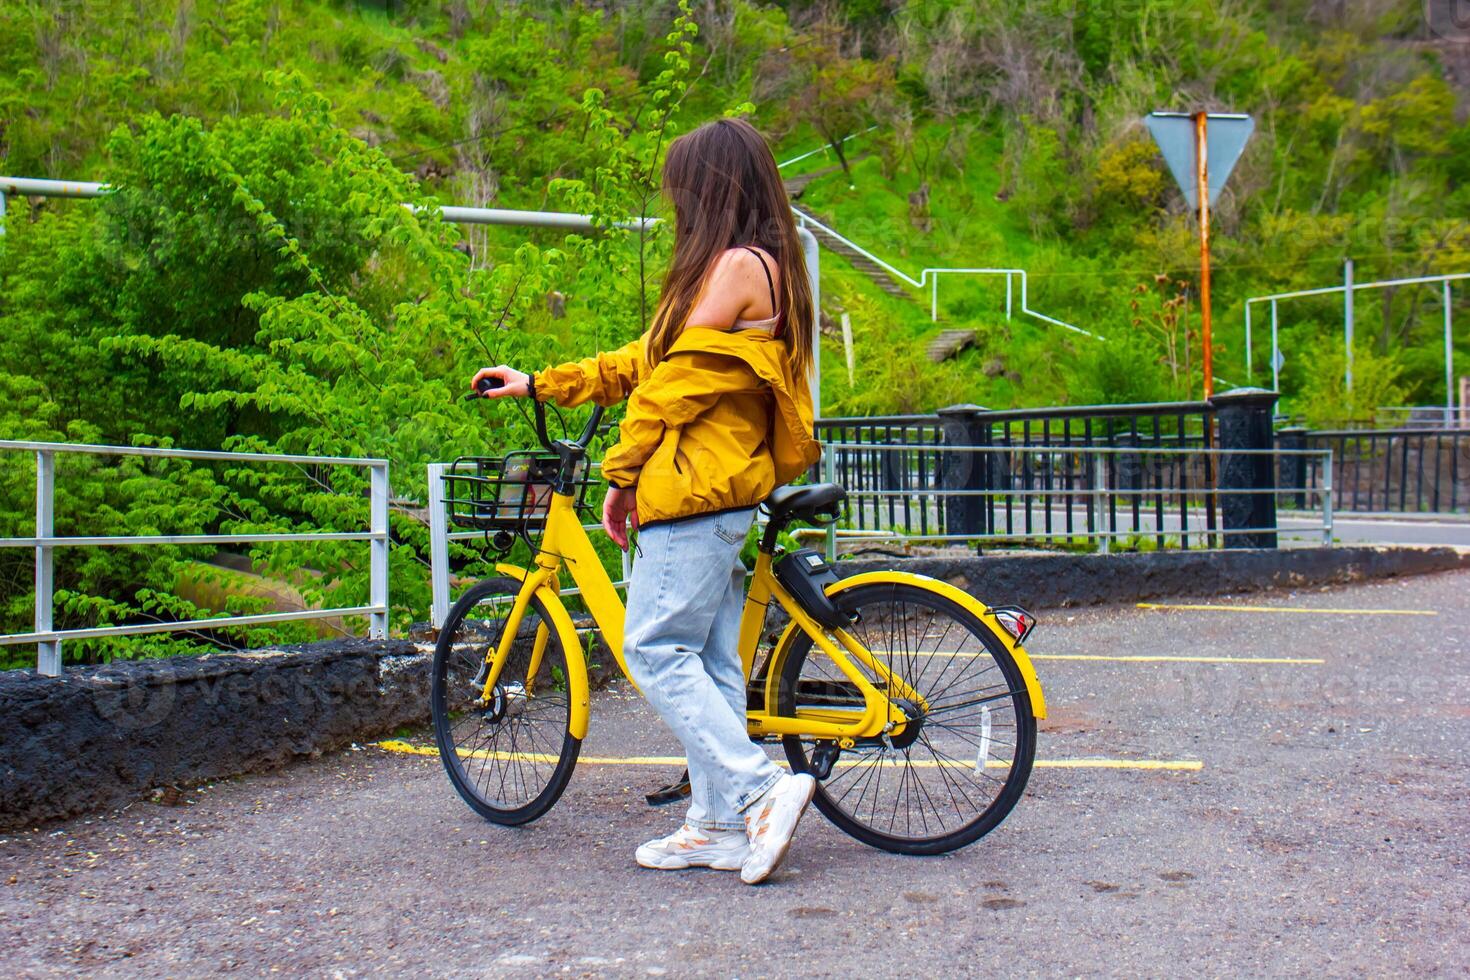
930, 276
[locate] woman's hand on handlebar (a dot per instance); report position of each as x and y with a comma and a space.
500, 381
506, 381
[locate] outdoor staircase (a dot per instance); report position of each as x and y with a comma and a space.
949, 343
796, 185
872, 270
945, 345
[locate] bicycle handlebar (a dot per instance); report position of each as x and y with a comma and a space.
590, 429
490, 384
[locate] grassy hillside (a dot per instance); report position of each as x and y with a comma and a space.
1016, 362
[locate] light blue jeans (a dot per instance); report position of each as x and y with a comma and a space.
681, 642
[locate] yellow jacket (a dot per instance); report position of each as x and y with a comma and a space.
717, 425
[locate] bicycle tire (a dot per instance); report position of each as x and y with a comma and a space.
461, 648
934, 834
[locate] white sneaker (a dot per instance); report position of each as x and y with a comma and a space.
769, 823
690, 847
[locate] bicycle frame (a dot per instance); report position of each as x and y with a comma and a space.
565, 541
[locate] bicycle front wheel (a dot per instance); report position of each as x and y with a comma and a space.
509, 754
961, 763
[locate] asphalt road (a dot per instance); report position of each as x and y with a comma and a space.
1325, 832
1390, 529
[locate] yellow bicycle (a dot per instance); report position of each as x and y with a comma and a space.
912, 703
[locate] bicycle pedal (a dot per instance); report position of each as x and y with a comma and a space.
672, 793
823, 758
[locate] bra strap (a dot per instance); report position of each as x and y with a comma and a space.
770, 283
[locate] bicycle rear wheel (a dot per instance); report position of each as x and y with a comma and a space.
962, 762
511, 755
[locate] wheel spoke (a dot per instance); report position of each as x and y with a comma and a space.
504, 755
973, 702
938, 791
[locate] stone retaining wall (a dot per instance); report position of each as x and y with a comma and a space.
102, 736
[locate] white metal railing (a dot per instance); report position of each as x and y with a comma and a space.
930, 276
1098, 511
45, 542
1348, 288
824, 148
1405, 416
41, 187
1086, 507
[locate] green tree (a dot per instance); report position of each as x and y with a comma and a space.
1325, 400
836, 94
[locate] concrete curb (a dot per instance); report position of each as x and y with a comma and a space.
103, 736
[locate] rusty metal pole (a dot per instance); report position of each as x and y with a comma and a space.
1202, 189
1201, 155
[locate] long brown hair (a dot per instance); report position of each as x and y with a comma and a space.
726, 192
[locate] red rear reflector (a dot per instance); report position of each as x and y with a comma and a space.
1015, 620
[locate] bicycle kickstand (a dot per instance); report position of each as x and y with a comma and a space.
672, 793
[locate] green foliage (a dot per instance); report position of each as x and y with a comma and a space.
1038, 168
266, 290
1325, 400
836, 94
254, 282
1032, 155
625, 183
1120, 370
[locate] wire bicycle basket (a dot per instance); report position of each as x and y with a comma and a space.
508, 493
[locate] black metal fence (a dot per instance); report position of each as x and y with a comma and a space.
1186, 473
1409, 470
1076, 474
887, 487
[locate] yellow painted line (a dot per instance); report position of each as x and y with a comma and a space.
1177, 765
394, 745
1140, 659
1293, 609
1150, 658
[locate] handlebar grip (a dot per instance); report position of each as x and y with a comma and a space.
483, 386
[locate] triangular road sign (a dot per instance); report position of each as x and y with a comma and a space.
1225, 138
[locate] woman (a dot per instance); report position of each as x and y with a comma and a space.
719, 414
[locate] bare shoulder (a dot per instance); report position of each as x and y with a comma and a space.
740, 271
735, 288
739, 262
